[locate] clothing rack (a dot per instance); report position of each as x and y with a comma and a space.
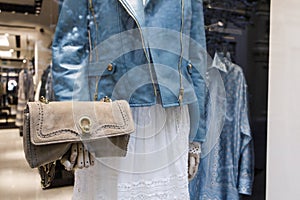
224, 21
9, 83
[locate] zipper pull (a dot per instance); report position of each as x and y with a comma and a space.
96, 88
91, 5
180, 97
95, 96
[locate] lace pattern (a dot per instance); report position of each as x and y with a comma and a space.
173, 187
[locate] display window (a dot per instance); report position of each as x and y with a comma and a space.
194, 74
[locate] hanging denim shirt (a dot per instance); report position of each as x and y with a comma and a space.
227, 170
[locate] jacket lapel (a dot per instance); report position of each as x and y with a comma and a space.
145, 2
135, 8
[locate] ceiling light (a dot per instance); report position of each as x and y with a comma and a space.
12, 7
4, 41
220, 23
5, 54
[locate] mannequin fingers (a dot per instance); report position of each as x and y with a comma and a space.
198, 159
196, 169
80, 158
80, 154
197, 164
192, 165
92, 159
74, 153
66, 163
194, 159
192, 176
86, 158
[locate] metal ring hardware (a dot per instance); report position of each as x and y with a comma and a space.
85, 124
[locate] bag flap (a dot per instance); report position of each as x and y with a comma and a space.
73, 121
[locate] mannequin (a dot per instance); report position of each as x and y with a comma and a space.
138, 51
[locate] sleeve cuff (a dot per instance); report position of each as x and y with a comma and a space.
245, 188
199, 136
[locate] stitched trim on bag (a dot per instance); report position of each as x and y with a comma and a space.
40, 123
125, 119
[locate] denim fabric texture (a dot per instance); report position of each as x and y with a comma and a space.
228, 170
133, 47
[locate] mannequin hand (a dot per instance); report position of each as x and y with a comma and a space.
194, 159
79, 157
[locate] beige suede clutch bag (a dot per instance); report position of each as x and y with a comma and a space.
51, 128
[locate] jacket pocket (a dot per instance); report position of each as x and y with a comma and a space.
187, 71
103, 79
189, 68
94, 70
110, 69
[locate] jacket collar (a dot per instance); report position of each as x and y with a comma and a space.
145, 2
135, 8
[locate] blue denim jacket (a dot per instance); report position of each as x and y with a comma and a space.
126, 50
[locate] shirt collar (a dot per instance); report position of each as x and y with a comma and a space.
219, 63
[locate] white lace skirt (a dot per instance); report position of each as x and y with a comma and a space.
155, 166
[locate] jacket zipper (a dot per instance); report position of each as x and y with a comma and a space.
181, 89
91, 8
144, 46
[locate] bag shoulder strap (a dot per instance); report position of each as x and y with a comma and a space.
92, 10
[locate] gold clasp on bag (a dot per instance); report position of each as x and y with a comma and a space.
106, 99
85, 124
44, 100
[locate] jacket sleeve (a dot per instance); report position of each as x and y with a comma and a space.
70, 52
197, 54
